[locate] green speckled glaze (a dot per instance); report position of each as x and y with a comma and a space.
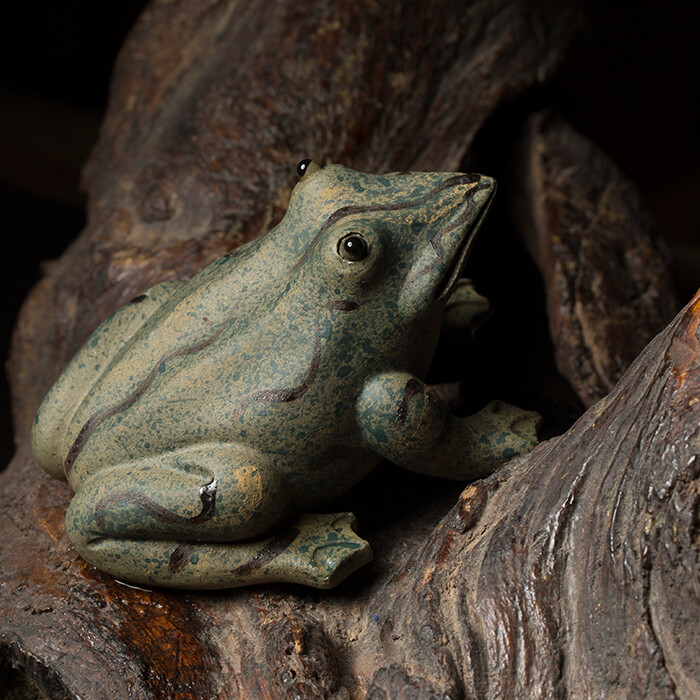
199, 418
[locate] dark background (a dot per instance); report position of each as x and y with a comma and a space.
631, 83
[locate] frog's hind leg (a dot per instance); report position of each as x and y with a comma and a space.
318, 551
87, 365
189, 523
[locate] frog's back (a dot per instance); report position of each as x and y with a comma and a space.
255, 378
125, 352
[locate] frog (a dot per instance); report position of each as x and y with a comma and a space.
204, 425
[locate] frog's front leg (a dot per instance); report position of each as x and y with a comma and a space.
196, 520
405, 421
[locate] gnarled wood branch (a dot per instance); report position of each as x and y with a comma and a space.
570, 572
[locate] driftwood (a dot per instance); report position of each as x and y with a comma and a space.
571, 572
606, 274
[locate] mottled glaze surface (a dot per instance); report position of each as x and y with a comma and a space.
201, 416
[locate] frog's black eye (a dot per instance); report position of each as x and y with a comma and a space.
303, 166
353, 247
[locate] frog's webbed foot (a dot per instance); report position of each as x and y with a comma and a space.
493, 435
325, 551
464, 312
519, 425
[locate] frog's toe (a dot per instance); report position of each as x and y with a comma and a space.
518, 425
328, 550
525, 427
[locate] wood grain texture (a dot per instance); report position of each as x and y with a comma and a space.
569, 573
609, 287
582, 556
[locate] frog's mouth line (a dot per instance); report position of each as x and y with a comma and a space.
454, 269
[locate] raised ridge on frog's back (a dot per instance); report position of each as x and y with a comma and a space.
203, 414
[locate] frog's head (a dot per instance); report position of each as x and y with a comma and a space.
398, 241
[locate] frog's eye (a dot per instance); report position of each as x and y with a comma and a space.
303, 166
353, 247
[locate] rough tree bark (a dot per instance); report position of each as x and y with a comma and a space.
608, 290
571, 572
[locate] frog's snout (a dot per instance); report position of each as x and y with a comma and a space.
479, 199
477, 194
454, 238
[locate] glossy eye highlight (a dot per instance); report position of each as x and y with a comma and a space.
303, 166
353, 247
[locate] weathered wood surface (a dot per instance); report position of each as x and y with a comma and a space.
571, 572
606, 272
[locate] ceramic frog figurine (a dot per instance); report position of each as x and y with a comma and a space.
204, 414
